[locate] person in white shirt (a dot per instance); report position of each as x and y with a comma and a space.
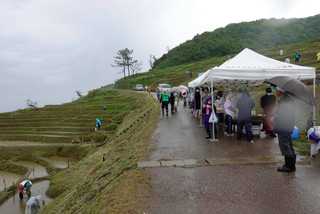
229, 110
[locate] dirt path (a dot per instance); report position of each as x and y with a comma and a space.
254, 187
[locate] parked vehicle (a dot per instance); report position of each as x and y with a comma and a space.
162, 87
139, 87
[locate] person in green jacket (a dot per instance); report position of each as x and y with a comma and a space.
164, 100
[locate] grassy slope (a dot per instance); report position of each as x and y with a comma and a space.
73, 121
94, 186
176, 75
259, 34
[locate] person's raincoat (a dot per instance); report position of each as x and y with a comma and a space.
34, 205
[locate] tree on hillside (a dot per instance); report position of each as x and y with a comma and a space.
152, 59
124, 59
32, 104
79, 94
136, 67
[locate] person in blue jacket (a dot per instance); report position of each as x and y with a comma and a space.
98, 124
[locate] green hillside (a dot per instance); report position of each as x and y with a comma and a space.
71, 122
176, 75
260, 34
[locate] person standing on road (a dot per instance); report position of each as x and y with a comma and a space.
245, 105
164, 100
267, 103
172, 102
207, 110
229, 110
219, 103
284, 122
197, 103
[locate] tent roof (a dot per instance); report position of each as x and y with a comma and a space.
196, 82
251, 66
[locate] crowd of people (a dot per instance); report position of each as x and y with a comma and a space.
170, 97
233, 112
225, 111
230, 113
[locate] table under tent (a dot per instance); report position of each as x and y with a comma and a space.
252, 68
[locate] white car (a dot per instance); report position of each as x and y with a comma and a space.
139, 87
164, 87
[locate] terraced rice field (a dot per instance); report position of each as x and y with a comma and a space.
70, 122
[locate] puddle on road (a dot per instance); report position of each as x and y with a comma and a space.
14, 206
37, 171
58, 162
7, 179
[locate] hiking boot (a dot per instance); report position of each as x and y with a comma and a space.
292, 163
289, 165
284, 168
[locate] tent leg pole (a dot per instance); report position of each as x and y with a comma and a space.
212, 106
201, 106
315, 104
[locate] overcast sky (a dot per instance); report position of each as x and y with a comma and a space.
50, 48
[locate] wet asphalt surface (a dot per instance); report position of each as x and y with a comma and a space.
234, 188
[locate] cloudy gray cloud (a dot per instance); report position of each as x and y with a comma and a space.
50, 48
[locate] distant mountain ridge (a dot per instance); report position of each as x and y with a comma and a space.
260, 34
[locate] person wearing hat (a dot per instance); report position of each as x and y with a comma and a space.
267, 103
284, 122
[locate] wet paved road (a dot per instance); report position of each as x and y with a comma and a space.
224, 189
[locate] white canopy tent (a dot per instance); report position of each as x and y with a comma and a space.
196, 82
251, 66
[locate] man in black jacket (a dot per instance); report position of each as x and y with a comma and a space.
284, 122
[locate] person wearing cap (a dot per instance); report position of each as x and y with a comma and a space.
283, 124
267, 103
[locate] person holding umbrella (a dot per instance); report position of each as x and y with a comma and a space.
284, 122
289, 91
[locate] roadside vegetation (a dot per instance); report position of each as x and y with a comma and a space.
107, 180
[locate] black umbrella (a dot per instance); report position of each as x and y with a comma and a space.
293, 87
